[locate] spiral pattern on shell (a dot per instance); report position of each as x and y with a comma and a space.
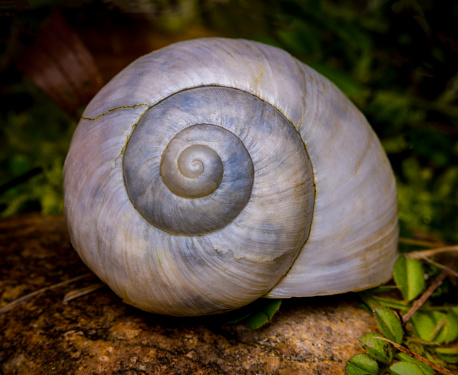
214, 172
188, 166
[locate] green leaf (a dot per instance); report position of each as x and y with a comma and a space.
257, 320
263, 311
365, 306
449, 355
389, 324
435, 326
257, 313
394, 304
271, 307
451, 327
406, 368
425, 368
424, 324
379, 349
454, 311
361, 364
409, 277
237, 316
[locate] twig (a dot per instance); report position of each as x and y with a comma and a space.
418, 357
420, 301
82, 292
439, 265
411, 241
437, 250
22, 299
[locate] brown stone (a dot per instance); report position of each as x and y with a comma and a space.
98, 334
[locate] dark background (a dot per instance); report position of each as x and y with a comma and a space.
396, 60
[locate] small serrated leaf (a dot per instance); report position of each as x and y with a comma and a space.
257, 320
406, 368
435, 326
271, 307
379, 349
424, 324
237, 318
255, 313
361, 364
449, 355
389, 324
365, 307
391, 303
452, 327
409, 277
450, 351
425, 368
238, 315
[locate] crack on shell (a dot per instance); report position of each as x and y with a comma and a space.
112, 110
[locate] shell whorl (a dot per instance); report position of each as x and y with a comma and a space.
196, 171
238, 128
207, 171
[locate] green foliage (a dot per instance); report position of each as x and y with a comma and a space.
406, 368
425, 368
36, 140
362, 364
431, 332
435, 326
449, 355
409, 277
389, 324
257, 314
378, 349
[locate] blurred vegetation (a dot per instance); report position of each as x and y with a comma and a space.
397, 60
34, 138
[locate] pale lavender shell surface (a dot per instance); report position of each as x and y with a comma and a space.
314, 194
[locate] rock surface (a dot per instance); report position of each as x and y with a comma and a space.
98, 334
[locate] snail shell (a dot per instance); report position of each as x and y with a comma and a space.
213, 172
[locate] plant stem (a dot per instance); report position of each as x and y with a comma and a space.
418, 357
420, 301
